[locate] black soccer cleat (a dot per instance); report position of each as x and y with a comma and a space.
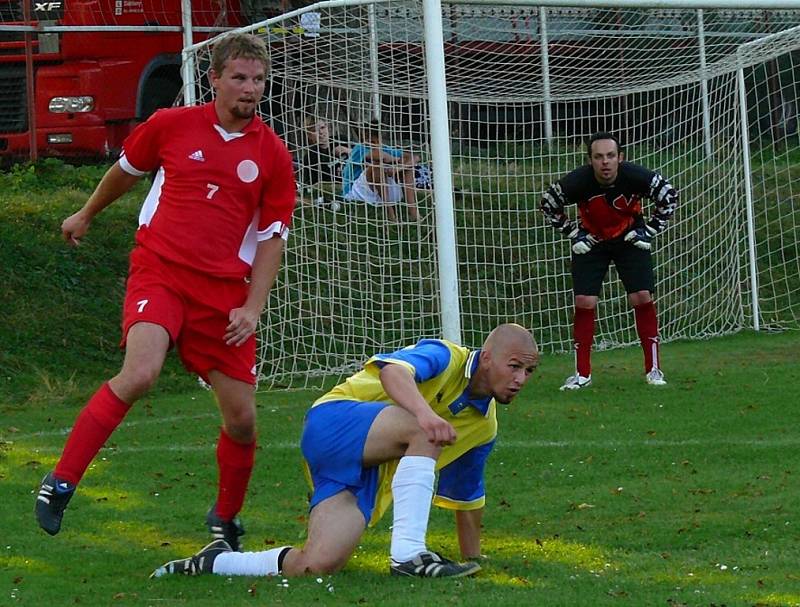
54, 495
225, 530
202, 562
432, 564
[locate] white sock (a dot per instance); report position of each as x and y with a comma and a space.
412, 491
248, 563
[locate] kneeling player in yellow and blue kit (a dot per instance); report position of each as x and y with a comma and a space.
379, 437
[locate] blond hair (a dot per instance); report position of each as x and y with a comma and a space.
234, 46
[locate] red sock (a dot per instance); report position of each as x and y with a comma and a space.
235, 461
94, 424
583, 331
647, 328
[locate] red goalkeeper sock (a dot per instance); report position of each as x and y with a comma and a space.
235, 461
583, 331
94, 424
647, 328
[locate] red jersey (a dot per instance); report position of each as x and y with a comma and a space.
215, 195
609, 211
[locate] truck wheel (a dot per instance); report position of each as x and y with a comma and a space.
159, 92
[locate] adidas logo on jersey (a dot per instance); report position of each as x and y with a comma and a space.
198, 155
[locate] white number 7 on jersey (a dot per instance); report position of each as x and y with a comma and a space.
212, 189
141, 304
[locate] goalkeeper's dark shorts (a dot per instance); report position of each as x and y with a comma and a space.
634, 266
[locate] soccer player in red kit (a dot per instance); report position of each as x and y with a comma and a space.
610, 227
209, 245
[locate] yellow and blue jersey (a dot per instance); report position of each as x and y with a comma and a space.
442, 371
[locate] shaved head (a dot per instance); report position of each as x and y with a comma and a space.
511, 335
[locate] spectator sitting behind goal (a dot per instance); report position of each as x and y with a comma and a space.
610, 227
323, 158
380, 175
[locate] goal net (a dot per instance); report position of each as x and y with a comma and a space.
526, 86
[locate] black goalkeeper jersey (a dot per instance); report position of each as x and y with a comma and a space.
610, 211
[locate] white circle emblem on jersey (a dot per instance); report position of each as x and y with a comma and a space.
247, 171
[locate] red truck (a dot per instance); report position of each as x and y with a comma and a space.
91, 87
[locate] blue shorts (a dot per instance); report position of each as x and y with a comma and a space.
334, 435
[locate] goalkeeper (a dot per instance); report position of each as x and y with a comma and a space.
379, 437
610, 227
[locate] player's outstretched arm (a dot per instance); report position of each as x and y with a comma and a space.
113, 185
400, 386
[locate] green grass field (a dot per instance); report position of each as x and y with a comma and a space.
620, 495
623, 494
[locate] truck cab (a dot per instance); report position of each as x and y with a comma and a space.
90, 86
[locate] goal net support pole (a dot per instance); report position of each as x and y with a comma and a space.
442, 171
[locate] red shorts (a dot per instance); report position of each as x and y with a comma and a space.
193, 308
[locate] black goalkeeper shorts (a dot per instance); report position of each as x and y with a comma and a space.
634, 266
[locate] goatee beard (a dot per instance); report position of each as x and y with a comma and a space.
244, 114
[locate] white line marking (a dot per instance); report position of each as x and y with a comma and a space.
130, 424
533, 444
614, 444
133, 423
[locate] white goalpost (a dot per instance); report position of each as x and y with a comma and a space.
497, 99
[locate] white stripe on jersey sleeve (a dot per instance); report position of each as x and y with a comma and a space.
276, 228
247, 250
126, 166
